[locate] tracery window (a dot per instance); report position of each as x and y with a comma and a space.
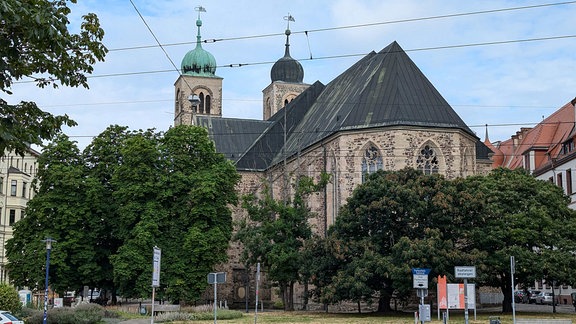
371, 161
427, 161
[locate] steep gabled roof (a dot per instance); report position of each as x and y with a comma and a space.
382, 89
231, 136
546, 137
268, 147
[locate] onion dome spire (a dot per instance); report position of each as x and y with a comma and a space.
199, 62
286, 68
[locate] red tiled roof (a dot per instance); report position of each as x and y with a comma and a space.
545, 139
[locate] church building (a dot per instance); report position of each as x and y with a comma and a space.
381, 113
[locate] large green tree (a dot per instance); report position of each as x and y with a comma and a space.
393, 222
511, 213
274, 232
35, 42
128, 192
58, 211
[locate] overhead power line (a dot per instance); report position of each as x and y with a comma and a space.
482, 12
339, 56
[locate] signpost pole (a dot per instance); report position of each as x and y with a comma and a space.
215, 296
157, 253
512, 271
465, 273
466, 300
257, 282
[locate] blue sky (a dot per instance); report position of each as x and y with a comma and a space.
524, 71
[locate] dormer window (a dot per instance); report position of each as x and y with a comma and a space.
568, 147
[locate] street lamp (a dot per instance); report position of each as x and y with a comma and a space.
48, 248
195, 102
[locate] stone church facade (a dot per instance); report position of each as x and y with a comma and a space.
381, 113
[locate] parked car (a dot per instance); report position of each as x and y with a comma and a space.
7, 318
544, 298
532, 296
520, 296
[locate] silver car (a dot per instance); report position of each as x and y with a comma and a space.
544, 298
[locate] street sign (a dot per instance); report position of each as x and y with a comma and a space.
465, 272
420, 278
216, 277
156, 267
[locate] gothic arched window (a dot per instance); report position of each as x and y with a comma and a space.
427, 161
371, 161
202, 103
207, 104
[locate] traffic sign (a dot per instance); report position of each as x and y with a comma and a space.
465, 272
420, 278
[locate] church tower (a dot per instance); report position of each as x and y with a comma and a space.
198, 91
287, 75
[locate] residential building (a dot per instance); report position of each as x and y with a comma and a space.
546, 150
381, 113
16, 176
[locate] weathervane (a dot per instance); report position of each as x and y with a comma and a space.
289, 18
200, 9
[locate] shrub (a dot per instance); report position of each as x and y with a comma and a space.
83, 314
223, 314
88, 313
9, 299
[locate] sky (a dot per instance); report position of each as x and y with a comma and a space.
502, 63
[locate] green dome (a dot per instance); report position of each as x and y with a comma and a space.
198, 61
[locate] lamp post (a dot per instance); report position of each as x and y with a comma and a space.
48, 248
194, 101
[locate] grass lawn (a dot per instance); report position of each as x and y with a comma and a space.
324, 318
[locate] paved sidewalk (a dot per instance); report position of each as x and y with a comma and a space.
137, 321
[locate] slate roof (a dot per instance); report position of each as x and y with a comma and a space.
382, 89
232, 137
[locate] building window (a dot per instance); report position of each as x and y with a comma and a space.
22, 214
427, 161
559, 180
569, 181
24, 189
1, 185
12, 217
371, 162
13, 188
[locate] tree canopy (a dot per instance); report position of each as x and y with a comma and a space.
109, 206
274, 232
511, 213
398, 220
36, 43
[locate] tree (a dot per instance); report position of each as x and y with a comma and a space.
274, 232
35, 42
108, 207
388, 213
510, 213
172, 191
9, 299
59, 211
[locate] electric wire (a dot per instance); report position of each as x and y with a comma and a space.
306, 32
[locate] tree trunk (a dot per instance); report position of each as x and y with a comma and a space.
305, 304
359, 308
283, 294
290, 296
384, 303
507, 292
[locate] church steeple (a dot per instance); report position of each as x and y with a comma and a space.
287, 75
199, 61
197, 80
286, 68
